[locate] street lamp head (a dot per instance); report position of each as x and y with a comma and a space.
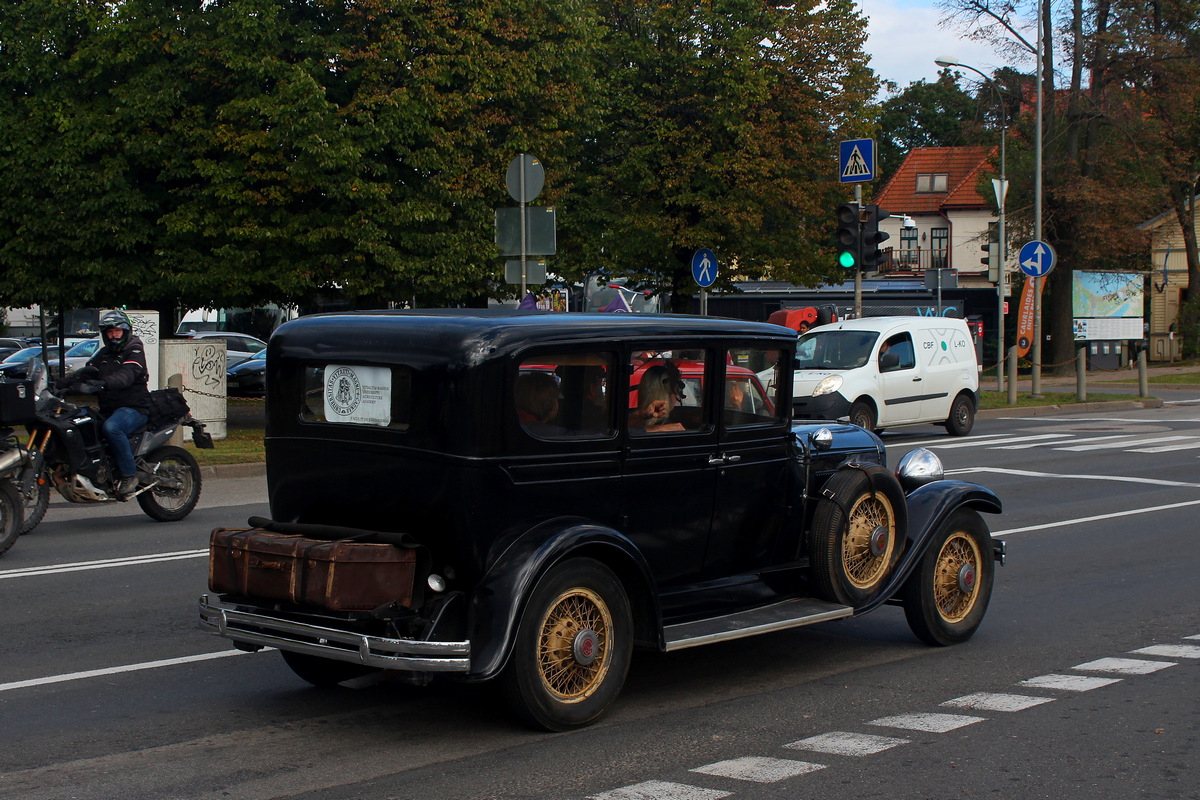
946, 61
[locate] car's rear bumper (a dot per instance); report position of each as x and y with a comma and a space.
254, 629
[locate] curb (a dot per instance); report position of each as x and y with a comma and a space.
234, 471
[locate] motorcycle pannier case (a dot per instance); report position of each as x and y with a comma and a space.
16, 402
337, 575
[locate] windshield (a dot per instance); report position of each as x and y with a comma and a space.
84, 348
835, 349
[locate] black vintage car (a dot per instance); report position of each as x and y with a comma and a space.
529, 496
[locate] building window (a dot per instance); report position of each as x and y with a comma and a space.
909, 253
939, 240
935, 182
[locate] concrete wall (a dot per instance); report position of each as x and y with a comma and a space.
197, 368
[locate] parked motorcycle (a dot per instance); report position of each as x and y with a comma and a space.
66, 451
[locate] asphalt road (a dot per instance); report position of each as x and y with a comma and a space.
108, 690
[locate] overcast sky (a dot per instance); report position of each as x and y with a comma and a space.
904, 39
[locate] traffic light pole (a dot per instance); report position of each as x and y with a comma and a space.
858, 262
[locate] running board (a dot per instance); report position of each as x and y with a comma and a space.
775, 617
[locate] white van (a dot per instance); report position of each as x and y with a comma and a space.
887, 371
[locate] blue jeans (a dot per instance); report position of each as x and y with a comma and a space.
117, 428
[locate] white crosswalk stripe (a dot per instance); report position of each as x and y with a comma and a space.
841, 743
1068, 683
997, 701
660, 790
1167, 448
1124, 666
928, 722
759, 769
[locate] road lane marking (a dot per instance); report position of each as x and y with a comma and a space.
997, 701
1029, 473
841, 743
1115, 445
1096, 518
1170, 650
99, 673
759, 769
108, 563
660, 790
1068, 683
1073, 441
1011, 440
927, 722
1124, 666
1166, 448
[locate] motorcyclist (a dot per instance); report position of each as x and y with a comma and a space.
117, 375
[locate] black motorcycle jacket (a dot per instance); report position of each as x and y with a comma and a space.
125, 377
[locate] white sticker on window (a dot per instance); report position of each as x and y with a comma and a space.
358, 395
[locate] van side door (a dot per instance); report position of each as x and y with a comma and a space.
901, 380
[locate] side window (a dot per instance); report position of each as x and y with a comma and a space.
901, 345
565, 395
749, 397
666, 391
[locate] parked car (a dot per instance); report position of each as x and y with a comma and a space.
19, 364
883, 372
76, 357
9, 346
248, 378
238, 346
469, 495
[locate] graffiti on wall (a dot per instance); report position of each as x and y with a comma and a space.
208, 366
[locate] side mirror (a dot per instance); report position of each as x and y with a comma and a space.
889, 361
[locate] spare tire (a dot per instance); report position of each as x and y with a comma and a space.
857, 534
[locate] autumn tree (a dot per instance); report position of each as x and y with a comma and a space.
1101, 175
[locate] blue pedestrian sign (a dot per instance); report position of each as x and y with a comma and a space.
704, 267
856, 161
1036, 259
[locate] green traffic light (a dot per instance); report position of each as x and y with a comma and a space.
846, 259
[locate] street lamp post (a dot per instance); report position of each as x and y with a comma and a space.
1001, 195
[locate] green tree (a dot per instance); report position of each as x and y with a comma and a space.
719, 130
938, 114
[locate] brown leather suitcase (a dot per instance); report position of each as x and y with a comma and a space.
337, 575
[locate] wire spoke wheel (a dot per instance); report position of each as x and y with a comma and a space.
572, 647
857, 533
955, 584
866, 549
947, 595
578, 618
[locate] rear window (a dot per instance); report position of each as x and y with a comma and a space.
351, 394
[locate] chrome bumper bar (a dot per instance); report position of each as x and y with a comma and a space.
407, 655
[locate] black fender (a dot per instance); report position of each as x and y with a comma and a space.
928, 507
500, 595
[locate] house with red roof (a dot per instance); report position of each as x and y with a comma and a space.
937, 189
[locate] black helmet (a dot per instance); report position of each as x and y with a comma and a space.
115, 320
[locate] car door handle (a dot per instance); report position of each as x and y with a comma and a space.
717, 461
917, 379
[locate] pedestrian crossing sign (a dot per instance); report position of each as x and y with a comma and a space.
856, 163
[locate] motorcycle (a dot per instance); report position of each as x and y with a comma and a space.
66, 450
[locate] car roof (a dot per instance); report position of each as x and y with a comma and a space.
886, 323
480, 334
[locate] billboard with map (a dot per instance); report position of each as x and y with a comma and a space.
1108, 305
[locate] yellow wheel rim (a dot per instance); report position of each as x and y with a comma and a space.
956, 578
573, 647
866, 565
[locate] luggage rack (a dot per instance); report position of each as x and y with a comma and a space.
259, 630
